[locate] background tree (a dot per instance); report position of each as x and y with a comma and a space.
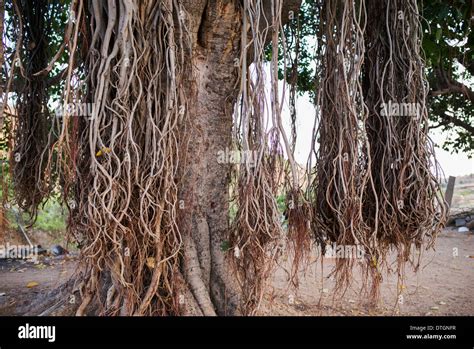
448, 43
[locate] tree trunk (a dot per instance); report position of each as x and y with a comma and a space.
204, 191
205, 218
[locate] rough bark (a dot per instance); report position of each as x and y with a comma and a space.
205, 181
205, 195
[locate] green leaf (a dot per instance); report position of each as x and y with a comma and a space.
439, 32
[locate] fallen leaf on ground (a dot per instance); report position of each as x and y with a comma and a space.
32, 284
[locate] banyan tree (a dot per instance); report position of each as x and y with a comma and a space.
163, 226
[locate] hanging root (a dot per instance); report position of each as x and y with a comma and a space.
337, 192
34, 120
125, 209
256, 228
299, 227
255, 232
374, 184
410, 211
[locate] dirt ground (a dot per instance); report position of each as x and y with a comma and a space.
21, 281
443, 286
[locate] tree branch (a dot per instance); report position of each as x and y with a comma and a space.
448, 119
19, 83
445, 84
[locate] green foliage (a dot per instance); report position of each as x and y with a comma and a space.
302, 28
51, 218
448, 43
447, 32
281, 202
